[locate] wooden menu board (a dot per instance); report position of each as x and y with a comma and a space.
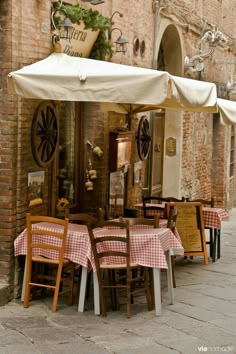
190, 226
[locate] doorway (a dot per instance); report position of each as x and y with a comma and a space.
157, 154
165, 170
66, 167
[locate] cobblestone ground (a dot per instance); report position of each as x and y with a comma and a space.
202, 319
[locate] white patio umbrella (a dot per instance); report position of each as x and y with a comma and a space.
67, 78
119, 87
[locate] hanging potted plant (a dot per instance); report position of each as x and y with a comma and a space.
88, 34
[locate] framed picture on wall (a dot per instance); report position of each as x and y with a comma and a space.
116, 194
35, 187
137, 172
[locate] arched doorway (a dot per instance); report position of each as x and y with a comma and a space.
165, 160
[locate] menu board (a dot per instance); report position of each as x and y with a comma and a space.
190, 226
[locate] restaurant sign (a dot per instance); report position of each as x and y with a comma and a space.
190, 227
80, 43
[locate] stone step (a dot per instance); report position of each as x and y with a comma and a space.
4, 294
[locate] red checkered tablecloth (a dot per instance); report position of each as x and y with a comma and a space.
212, 216
77, 244
147, 246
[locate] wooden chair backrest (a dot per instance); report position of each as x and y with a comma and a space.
143, 221
205, 202
85, 218
153, 199
150, 210
171, 223
59, 231
173, 199
96, 242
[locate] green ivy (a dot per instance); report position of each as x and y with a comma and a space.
92, 20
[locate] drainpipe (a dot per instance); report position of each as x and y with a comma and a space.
156, 10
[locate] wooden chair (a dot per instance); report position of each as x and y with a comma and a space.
44, 242
152, 223
150, 210
85, 219
173, 199
214, 241
80, 218
142, 221
171, 224
117, 282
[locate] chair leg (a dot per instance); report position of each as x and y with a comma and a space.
152, 287
218, 244
128, 299
102, 294
27, 285
214, 246
71, 286
148, 290
112, 281
211, 242
78, 283
56, 290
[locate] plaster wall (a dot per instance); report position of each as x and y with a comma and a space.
170, 38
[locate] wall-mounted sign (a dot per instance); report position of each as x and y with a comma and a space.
171, 146
80, 43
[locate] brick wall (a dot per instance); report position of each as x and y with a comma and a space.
8, 148
205, 168
22, 43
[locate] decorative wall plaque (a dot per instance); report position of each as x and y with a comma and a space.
171, 146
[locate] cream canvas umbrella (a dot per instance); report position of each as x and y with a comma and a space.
67, 78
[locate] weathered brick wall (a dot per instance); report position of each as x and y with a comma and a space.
22, 42
197, 156
8, 149
206, 150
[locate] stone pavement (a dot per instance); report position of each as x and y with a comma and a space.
202, 319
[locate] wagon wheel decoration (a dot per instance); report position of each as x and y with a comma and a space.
44, 134
143, 138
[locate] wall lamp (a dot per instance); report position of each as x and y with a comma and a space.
213, 38
196, 63
64, 27
231, 88
121, 42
